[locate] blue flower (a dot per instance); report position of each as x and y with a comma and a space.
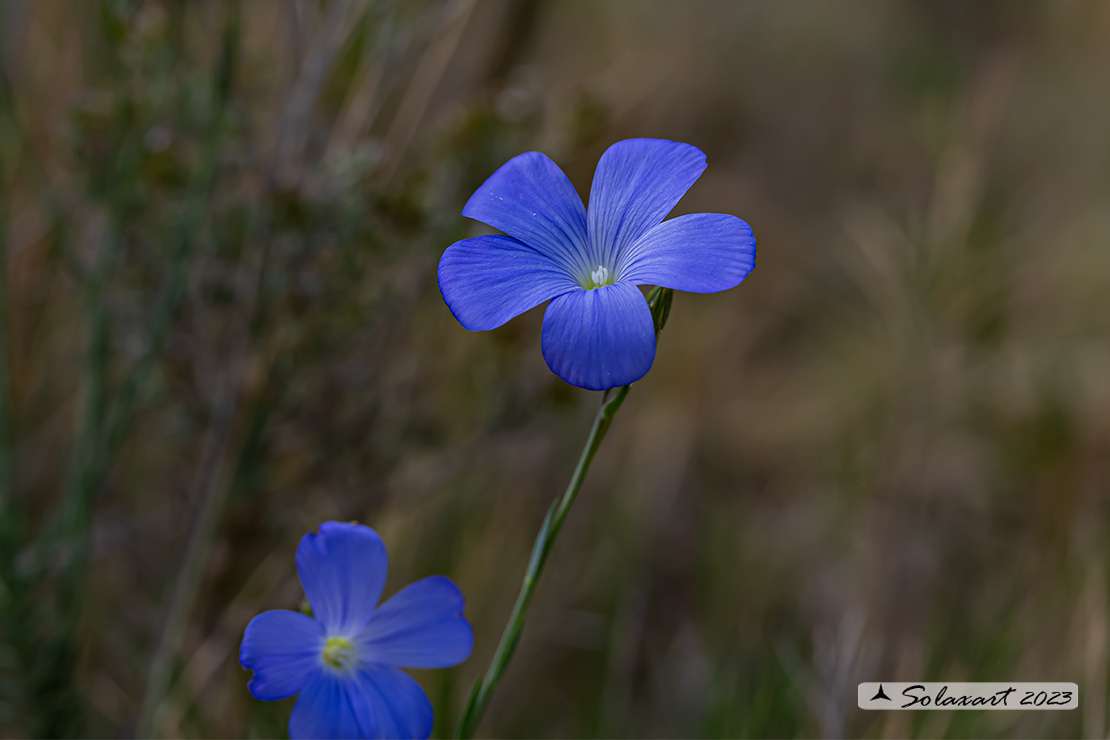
345, 662
597, 332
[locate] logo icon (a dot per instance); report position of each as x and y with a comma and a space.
881, 695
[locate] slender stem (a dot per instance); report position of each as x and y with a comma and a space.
660, 302
552, 523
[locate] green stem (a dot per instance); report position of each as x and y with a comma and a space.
660, 302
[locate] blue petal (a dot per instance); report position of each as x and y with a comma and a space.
599, 339
488, 280
637, 183
397, 704
283, 649
374, 702
531, 199
343, 571
699, 253
332, 705
422, 626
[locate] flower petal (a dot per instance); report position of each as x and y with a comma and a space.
422, 626
396, 703
637, 183
343, 571
375, 702
331, 706
531, 199
488, 280
699, 253
283, 649
599, 339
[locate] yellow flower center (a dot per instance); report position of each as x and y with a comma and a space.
339, 652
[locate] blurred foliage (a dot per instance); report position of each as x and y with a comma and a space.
885, 456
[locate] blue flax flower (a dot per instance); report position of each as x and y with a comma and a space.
597, 332
345, 662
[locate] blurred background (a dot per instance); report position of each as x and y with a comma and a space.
885, 456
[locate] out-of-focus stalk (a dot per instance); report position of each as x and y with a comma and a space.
158, 678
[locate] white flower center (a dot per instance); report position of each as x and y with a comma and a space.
599, 278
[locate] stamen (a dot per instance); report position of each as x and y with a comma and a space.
599, 277
339, 652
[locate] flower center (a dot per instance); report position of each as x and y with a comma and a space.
339, 652
599, 278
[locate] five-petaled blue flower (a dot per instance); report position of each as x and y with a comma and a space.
344, 663
598, 331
